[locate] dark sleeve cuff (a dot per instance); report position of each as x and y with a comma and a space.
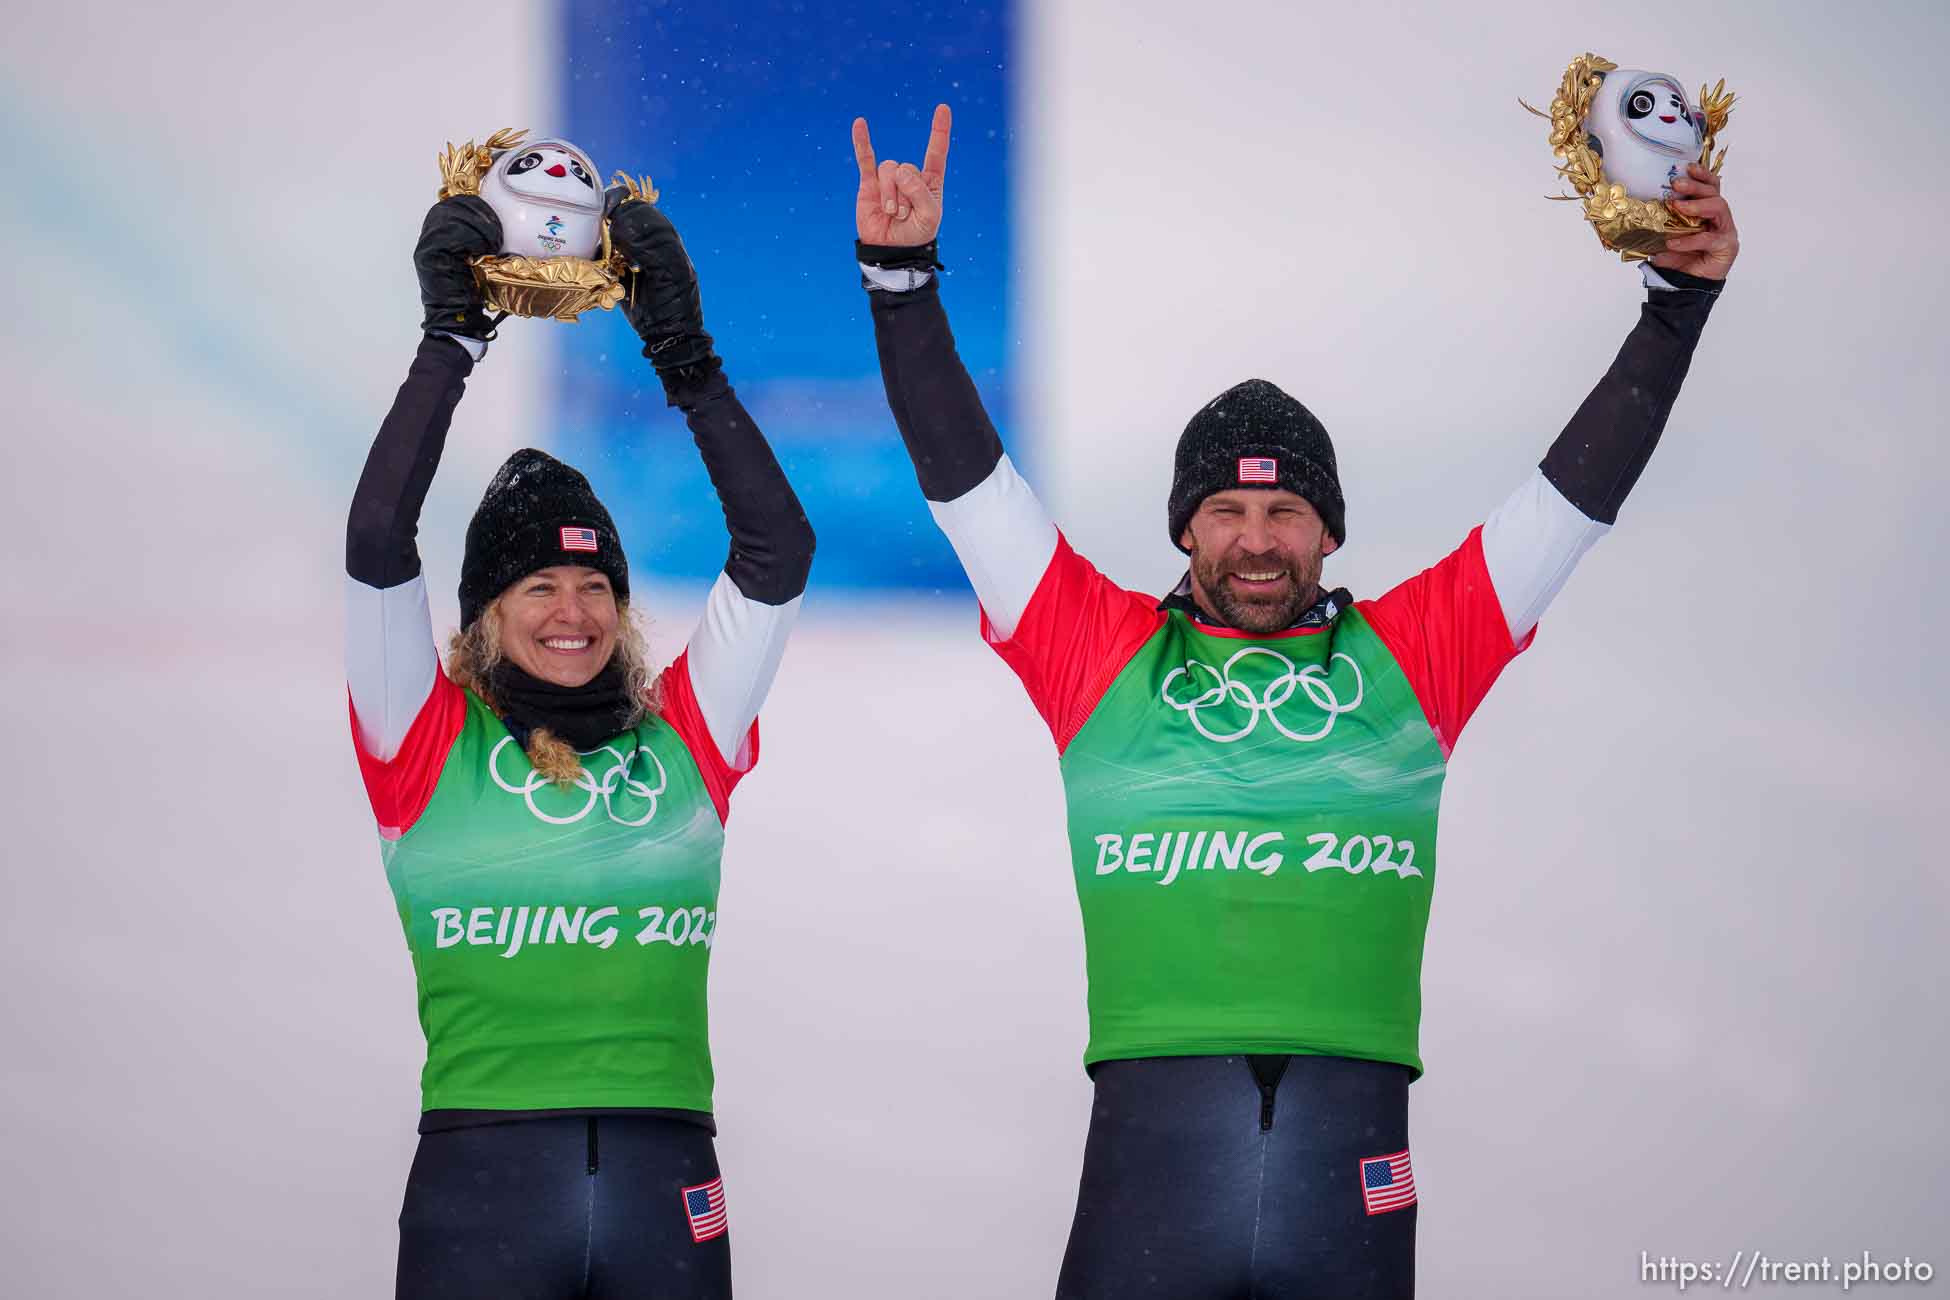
891, 257
447, 353
1694, 283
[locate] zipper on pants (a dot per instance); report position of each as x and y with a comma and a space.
592, 1144
1267, 1071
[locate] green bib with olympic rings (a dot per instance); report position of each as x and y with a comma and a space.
1252, 825
561, 936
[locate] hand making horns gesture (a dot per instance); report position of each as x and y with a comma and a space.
899, 206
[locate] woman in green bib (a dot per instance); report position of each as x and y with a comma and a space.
551, 813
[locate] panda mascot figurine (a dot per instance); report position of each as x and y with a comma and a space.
555, 260
1621, 137
1644, 131
548, 200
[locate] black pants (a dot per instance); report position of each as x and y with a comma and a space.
566, 1206
1215, 1178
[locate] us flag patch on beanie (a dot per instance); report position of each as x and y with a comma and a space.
1258, 469
704, 1205
579, 539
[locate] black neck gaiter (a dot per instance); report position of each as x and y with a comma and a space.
1326, 607
584, 716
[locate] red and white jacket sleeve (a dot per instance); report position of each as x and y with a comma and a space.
1454, 626
1062, 626
712, 691
405, 714
1451, 635
1069, 637
400, 765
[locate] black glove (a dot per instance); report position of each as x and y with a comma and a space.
662, 301
455, 230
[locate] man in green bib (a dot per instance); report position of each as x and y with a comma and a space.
1253, 767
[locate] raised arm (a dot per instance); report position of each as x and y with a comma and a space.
999, 530
724, 674
1063, 627
1536, 538
391, 666
1452, 631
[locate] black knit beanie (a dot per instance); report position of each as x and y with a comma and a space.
1254, 435
537, 512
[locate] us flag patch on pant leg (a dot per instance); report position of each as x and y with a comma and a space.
704, 1206
1387, 1183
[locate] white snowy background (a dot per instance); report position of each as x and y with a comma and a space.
1684, 976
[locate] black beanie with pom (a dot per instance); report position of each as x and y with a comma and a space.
536, 513
1254, 435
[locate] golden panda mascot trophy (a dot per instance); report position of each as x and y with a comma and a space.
1620, 136
556, 261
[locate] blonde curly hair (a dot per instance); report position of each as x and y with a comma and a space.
474, 650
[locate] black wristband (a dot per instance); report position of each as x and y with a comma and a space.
892, 257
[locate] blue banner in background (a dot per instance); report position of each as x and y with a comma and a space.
740, 113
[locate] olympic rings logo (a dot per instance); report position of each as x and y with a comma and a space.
1310, 681
613, 778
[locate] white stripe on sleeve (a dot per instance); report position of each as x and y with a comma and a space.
390, 661
735, 654
1004, 540
1530, 545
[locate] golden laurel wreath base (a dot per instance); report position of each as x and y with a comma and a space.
1635, 229
545, 288
550, 288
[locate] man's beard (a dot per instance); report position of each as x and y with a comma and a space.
1281, 608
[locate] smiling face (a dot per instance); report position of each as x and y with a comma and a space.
559, 624
1654, 109
1256, 557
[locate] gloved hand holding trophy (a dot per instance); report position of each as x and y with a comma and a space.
524, 229
1625, 140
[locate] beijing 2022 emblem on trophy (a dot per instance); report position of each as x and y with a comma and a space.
556, 260
1620, 137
